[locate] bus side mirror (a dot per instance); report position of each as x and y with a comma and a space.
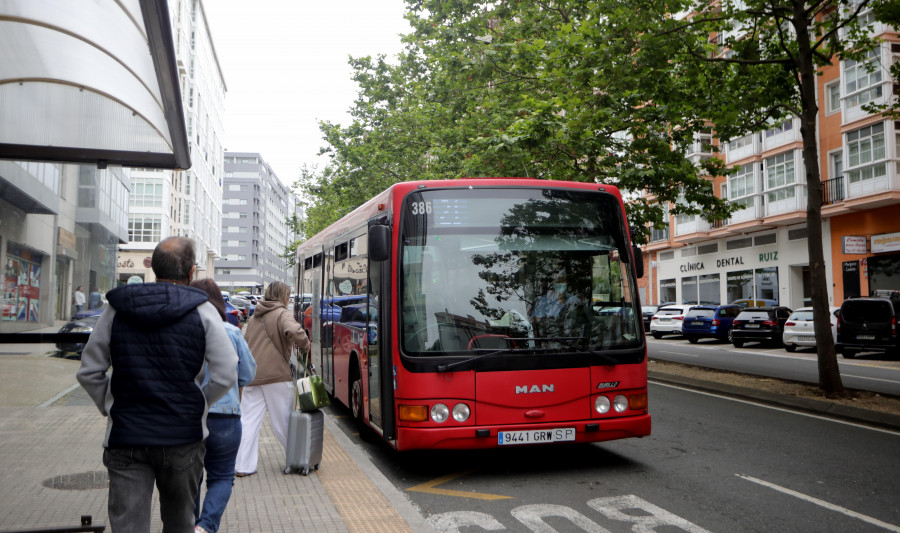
638, 261
379, 242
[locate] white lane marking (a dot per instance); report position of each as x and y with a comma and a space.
648, 516
823, 503
53, 400
451, 522
680, 353
866, 377
532, 517
774, 408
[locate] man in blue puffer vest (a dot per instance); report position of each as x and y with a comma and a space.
160, 339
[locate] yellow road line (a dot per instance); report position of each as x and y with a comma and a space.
429, 487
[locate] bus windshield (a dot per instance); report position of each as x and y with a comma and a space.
515, 270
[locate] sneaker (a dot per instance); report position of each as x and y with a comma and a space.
198, 529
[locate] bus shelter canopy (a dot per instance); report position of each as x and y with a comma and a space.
90, 82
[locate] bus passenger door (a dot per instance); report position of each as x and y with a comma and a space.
380, 360
326, 369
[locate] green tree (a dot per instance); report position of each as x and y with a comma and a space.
766, 66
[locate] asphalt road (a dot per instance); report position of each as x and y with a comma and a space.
871, 372
711, 464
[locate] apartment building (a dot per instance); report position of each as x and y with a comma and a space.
186, 203
257, 208
760, 252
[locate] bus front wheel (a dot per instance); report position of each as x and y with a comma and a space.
356, 395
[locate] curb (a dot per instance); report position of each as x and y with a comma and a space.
805, 405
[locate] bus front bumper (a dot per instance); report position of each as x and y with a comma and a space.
474, 437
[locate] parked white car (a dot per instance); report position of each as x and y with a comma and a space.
668, 320
799, 332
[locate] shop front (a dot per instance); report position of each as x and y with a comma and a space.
867, 252
770, 266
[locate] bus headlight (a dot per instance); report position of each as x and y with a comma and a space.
440, 413
620, 403
601, 404
461, 412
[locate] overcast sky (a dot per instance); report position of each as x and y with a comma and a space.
285, 67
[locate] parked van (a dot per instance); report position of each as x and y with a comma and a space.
869, 324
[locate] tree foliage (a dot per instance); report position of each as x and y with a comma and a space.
600, 91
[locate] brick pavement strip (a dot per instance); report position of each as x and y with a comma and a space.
53, 473
363, 507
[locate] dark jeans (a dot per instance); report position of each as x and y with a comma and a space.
132, 472
221, 450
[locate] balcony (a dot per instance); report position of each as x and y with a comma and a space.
784, 134
833, 191
691, 225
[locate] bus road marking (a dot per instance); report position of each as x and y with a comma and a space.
823, 503
430, 487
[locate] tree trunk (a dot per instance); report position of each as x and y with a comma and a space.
829, 372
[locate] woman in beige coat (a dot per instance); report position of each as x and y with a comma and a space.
270, 333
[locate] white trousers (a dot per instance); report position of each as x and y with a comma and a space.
278, 400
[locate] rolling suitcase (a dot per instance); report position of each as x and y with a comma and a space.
305, 436
304, 442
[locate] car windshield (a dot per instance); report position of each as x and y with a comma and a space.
541, 265
802, 316
701, 313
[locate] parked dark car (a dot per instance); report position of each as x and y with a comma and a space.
759, 324
709, 321
869, 324
82, 322
232, 314
245, 307
648, 311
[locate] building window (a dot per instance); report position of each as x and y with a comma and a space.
836, 164
667, 290
736, 244
708, 289
769, 238
780, 170
862, 79
796, 234
833, 97
741, 186
689, 252
741, 142
667, 255
787, 125
146, 192
144, 228
704, 249
866, 153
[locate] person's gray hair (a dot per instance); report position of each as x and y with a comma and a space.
278, 291
173, 259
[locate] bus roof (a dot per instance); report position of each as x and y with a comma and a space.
383, 202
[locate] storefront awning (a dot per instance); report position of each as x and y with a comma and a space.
90, 82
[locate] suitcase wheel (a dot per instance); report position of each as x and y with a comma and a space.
287, 470
305, 471
316, 467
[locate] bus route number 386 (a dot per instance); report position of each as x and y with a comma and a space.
535, 436
421, 208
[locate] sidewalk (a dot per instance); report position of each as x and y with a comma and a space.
50, 456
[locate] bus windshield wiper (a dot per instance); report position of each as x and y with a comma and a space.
448, 366
567, 341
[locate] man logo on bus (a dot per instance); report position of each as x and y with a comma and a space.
607, 384
534, 388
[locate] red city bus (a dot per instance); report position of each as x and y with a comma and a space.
477, 313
